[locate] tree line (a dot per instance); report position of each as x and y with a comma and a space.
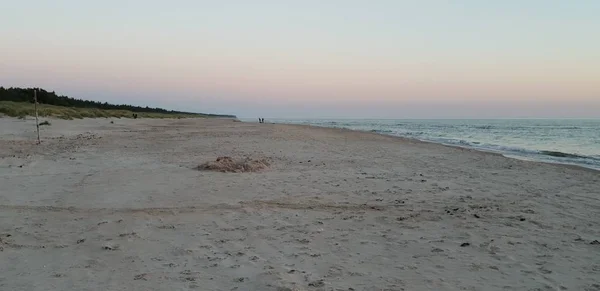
51, 98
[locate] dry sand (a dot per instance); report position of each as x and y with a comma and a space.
101, 206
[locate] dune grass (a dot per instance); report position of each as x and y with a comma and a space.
23, 109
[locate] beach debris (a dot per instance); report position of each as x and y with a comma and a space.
317, 283
129, 234
110, 247
229, 165
466, 244
595, 242
141, 276
303, 241
476, 215
437, 250
80, 241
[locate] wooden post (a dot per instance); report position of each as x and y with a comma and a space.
37, 123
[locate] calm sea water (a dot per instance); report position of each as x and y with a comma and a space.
566, 141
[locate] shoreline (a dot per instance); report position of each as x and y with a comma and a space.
457, 146
403, 138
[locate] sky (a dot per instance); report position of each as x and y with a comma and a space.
313, 59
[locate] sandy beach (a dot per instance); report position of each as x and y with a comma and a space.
122, 206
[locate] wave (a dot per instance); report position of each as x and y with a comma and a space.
483, 146
562, 155
382, 131
519, 152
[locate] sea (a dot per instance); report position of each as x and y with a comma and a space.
562, 141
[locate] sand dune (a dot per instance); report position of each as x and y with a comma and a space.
101, 206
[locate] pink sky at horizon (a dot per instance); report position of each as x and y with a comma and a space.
271, 72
